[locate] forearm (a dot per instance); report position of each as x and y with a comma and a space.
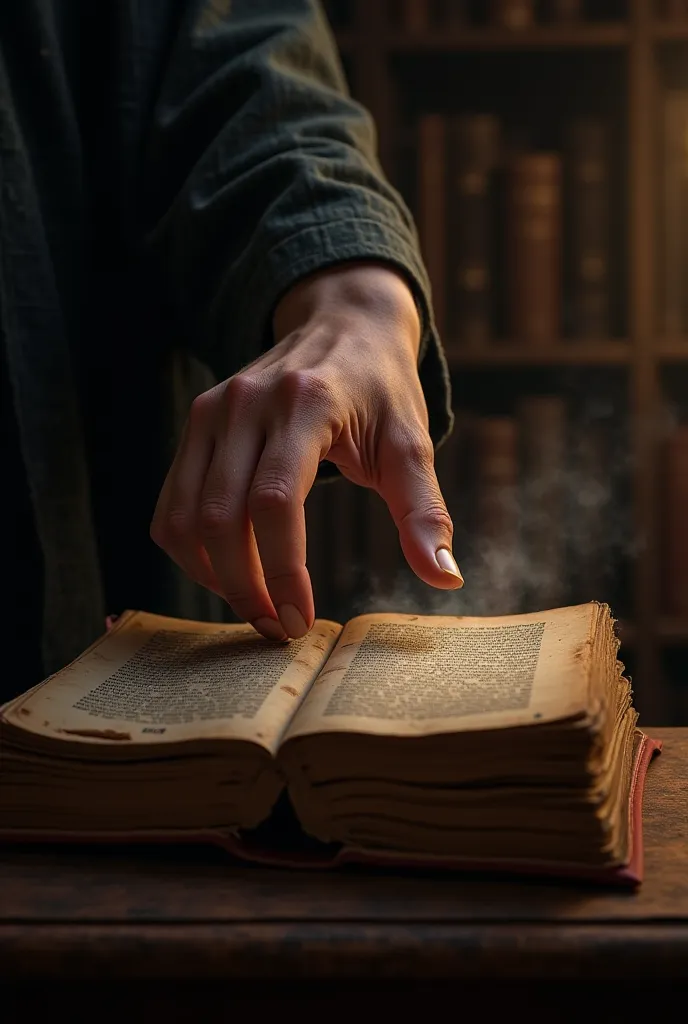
262, 171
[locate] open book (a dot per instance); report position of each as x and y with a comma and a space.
466, 742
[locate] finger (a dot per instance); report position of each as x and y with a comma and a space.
226, 529
409, 485
284, 476
174, 526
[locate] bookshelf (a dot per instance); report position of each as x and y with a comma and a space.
375, 47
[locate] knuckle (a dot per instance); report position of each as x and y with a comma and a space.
305, 387
172, 529
198, 410
417, 451
178, 525
437, 518
269, 495
214, 518
241, 391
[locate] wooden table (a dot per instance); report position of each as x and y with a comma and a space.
184, 933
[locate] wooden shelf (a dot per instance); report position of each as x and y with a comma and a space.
563, 353
540, 37
672, 350
673, 629
644, 360
671, 31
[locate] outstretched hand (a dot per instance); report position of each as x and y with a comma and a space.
341, 383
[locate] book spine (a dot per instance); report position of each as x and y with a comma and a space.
496, 508
675, 533
512, 14
432, 208
588, 222
542, 432
455, 13
533, 248
415, 16
472, 160
588, 501
672, 10
564, 12
674, 212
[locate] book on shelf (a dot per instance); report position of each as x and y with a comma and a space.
589, 499
496, 528
473, 154
563, 12
491, 743
512, 14
586, 164
533, 248
672, 10
673, 226
432, 207
542, 435
417, 16
455, 13
414, 15
674, 532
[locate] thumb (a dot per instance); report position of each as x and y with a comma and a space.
408, 484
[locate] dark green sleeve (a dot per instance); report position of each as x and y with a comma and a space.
261, 169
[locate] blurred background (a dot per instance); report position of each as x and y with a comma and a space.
542, 146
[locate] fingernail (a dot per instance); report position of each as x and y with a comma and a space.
270, 628
447, 563
292, 620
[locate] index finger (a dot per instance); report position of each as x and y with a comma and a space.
284, 476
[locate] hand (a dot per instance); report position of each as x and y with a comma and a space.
341, 383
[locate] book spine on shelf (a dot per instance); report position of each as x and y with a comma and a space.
455, 13
588, 503
432, 207
672, 10
564, 12
533, 248
675, 532
496, 512
473, 155
542, 433
588, 228
415, 15
512, 14
673, 260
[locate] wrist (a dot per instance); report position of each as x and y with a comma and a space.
351, 292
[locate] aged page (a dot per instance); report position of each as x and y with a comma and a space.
157, 680
412, 675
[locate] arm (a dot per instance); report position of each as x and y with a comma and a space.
274, 223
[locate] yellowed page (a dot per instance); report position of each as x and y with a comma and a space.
414, 675
157, 680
